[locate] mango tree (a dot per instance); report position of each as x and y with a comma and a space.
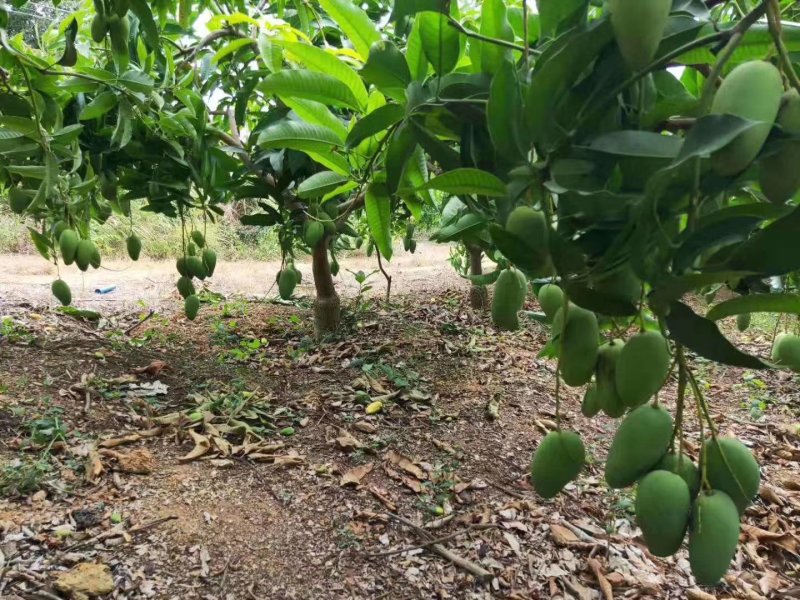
622, 157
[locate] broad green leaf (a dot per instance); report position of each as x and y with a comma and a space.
332, 160
309, 85
28, 171
147, 25
674, 288
467, 181
123, 131
416, 174
600, 302
715, 234
298, 136
226, 20
485, 278
387, 70
559, 15
774, 250
378, 206
401, 147
317, 59
270, 53
100, 105
376, 122
557, 70
515, 250
494, 24
354, 22
415, 56
710, 133
320, 184
41, 243
70, 55
136, 81
230, 48
504, 113
771, 303
405, 8
440, 41
461, 228
13, 127
704, 337
640, 144
317, 113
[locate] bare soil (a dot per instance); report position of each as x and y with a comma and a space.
230, 503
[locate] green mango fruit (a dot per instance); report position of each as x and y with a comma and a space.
134, 245
732, 468
579, 341
198, 239
556, 462
83, 254
196, 267
786, 351
551, 299
191, 305
638, 28
530, 226
590, 405
68, 244
61, 291
94, 258
313, 232
209, 261
622, 283
642, 367
713, 536
778, 174
182, 268
743, 321
18, 200
185, 287
682, 465
753, 91
119, 32
640, 443
98, 28
509, 296
605, 376
663, 505
191, 249
287, 281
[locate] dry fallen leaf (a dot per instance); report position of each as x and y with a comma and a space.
405, 463
605, 586
153, 369
201, 446
93, 466
354, 476
562, 536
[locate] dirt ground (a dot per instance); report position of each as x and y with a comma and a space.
233, 457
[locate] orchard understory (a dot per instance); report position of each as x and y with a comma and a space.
627, 171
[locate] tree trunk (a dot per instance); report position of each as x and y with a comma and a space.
327, 307
478, 294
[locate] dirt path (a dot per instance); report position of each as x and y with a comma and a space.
233, 458
27, 278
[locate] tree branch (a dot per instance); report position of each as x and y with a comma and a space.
192, 51
489, 40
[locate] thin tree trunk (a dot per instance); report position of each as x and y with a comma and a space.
327, 308
478, 294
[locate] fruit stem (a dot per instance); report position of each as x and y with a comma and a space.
681, 399
699, 408
774, 20
710, 85
565, 308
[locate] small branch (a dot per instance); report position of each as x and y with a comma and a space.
774, 20
489, 40
386, 275
192, 51
140, 322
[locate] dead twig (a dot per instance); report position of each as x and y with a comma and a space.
140, 322
438, 540
431, 544
151, 524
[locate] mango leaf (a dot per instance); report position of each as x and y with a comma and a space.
440, 41
484, 278
494, 24
774, 250
401, 147
709, 134
317, 59
703, 337
317, 113
713, 235
467, 181
270, 53
405, 8
40, 242
354, 22
378, 121
461, 228
600, 302
230, 48
320, 184
310, 85
387, 69
378, 206
440, 152
100, 105
771, 303
560, 15
504, 112
147, 25
673, 288
123, 130
415, 56
640, 144
298, 136
136, 81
